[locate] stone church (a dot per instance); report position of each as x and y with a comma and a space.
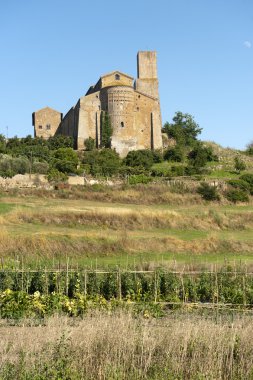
133, 108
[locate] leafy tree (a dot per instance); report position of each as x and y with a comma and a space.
65, 160
239, 164
106, 130
184, 130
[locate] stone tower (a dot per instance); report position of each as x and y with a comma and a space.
133, 109
147, 81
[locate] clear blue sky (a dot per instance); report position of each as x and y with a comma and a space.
53, 50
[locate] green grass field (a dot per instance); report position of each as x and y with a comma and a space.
47, 231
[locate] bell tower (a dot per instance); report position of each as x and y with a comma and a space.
147, 81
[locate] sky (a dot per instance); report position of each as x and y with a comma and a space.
53, 50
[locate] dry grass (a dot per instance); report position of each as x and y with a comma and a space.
122, 347
128, 219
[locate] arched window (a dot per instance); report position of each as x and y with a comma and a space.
122, 124
117, 76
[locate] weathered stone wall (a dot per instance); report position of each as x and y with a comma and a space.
69, 124
116, 79
147, 81
121, 112
89, 119
46, 122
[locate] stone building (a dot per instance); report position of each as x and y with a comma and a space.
133, 108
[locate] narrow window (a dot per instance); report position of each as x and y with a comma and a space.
48, 126
122, 124
117, 76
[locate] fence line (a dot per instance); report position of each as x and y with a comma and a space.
78, 270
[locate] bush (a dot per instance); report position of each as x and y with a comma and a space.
89, 144
11, 166
157, 156
174, 154
65, 160
141, 178
60, 141
178, 171
140, 158
105, 162
239, 184
237, 195
247, 177
40, 167
55, 175
239, 164
208, 192
161, 172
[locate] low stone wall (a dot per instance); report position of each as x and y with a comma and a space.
40, 181
24, 181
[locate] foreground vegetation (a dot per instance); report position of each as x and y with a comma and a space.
155, 272
120, 346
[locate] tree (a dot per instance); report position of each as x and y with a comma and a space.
65, 160
106, 130
184, 130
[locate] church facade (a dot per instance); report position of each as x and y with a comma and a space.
133, 108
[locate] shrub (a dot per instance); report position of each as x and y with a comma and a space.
198, 157
65, 160
178, 171
142, 158
174, 154
208, 192
237, 195
239, 184
161, 172
40, 167
248, 177
89, 144
60, 141
11, 166
157, 156
239, 164
105, 162
55, 175
141, 178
